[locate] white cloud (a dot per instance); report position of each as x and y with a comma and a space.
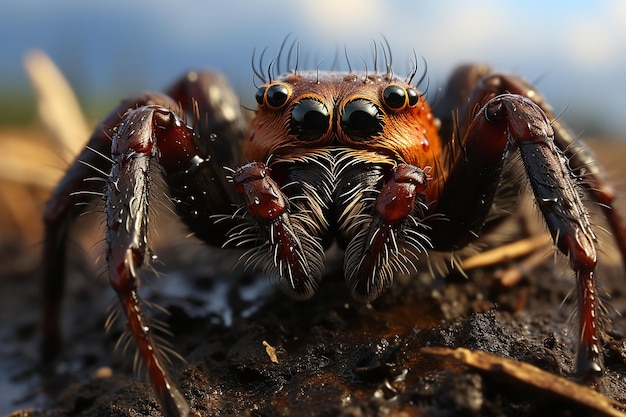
597, 42
342, 20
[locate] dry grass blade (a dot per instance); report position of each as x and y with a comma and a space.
27, 160
507, 253
58, 107
32, 160
531, 377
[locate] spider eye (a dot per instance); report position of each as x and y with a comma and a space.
414, 96
361, 118
260, 95
309, 118
394, 97
277, 95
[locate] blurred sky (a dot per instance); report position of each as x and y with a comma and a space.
576, 50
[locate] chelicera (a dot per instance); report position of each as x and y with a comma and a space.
356, 159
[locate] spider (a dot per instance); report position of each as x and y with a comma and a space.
353, 158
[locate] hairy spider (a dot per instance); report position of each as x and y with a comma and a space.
359, 159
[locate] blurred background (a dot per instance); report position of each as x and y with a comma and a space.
107, 50
574, 51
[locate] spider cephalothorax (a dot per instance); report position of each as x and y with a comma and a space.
353, 158
347, 155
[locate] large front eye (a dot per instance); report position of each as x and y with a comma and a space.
309, 118
361, 118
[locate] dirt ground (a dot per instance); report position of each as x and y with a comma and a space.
333, 355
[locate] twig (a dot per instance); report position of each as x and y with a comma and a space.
520, 373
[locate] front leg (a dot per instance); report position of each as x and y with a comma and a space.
505, 123
204, 98
136, 149
144, 136
72, 197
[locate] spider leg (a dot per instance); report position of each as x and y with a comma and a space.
136, 150
469, 89
504, 123
215, 109
143, 137
68, 200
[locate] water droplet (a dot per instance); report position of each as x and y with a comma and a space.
547, 203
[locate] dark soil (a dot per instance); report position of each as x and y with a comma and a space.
336, 357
